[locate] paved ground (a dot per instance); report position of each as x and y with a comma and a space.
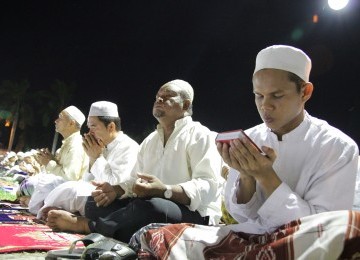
23, 256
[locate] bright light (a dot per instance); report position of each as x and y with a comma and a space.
337, 4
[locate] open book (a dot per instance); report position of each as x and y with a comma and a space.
226, 137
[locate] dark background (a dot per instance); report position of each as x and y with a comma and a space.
123, 51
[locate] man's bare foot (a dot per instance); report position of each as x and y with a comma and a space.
24, 201
45, 212
61, 220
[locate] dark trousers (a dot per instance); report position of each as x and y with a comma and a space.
122, 218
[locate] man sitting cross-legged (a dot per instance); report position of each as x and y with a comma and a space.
176, 177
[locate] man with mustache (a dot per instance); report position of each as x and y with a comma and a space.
292, 201
176, 177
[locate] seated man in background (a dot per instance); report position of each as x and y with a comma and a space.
176, 177
112, 157
69, 163
306, 173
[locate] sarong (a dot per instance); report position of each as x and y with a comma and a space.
328, 235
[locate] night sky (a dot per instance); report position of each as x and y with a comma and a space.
123, 51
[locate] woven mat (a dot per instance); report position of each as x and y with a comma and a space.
20, 231
24, 237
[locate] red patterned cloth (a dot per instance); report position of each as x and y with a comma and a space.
328, 235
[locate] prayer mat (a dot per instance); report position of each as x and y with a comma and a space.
16, 216
24, 237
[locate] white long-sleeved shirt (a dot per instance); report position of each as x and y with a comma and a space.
71, 159
117, 161
113, 166
317, 165
189, 159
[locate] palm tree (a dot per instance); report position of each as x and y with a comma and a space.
16, 101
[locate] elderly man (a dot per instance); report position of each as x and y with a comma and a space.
175, 179
69, 163
112, 157
306, 172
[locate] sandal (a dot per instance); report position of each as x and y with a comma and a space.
97, 246
74, 252
109, 248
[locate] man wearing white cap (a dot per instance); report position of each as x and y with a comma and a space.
175, 179
301, 173
306, 171
70, 161
112, 156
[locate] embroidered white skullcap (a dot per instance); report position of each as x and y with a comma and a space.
184, 86
104, 108
76, 114
286, 58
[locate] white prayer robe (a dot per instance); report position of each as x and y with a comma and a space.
190, 159
116, 162
317, 164
72, 160
113, 166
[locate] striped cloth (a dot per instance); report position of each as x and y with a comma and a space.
328, 235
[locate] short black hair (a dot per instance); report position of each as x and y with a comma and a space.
109, 119
299, 82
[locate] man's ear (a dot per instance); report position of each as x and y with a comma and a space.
111, 126
307, 91
186, 104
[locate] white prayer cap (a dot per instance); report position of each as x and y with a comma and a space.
28, 154
11, 154
184, 86
104, 108
286, 58
76, 114
20, 154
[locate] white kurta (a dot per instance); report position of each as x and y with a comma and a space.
189, 158
72, 160
117, 161
113, 166
317, 164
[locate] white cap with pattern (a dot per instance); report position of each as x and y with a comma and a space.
104, 108
286, 58
184, 86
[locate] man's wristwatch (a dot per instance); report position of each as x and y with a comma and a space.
168, 192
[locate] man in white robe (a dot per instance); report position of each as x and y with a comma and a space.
302, 183
112, 157
70, 161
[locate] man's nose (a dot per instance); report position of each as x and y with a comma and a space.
266, 104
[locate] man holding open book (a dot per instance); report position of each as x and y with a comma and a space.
309, 166
305, 171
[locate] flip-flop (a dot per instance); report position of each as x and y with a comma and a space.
74, 252
109, 248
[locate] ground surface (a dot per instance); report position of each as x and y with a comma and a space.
25, 255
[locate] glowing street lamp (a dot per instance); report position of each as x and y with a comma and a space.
337, 4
